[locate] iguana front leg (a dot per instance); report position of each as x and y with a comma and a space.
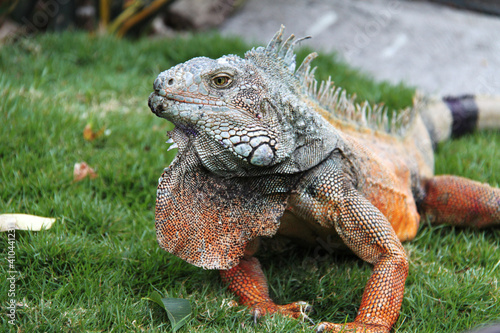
326, 197
247, 281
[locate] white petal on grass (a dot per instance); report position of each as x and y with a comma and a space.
24, 222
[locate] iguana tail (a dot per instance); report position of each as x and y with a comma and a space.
451, 199
459, 201
453, 116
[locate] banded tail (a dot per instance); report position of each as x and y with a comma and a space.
451, 199
454, 116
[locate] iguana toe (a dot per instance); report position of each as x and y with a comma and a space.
295, 310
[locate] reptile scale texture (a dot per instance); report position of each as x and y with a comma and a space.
264, 150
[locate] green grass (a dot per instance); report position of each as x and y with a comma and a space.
90, 271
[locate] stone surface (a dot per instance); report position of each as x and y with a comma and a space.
198, 14
435, 48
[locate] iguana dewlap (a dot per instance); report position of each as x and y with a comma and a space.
263, 151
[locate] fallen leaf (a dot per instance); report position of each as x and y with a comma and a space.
82, 170
24, 222
90, 135
178, 309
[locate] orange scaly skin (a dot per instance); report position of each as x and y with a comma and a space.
460, 201
262, 152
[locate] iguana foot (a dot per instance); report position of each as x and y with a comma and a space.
247, 281
351, 328
294, 310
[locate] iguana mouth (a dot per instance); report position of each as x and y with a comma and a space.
160, 104
190, 100
158, 99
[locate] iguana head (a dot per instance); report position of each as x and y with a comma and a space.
240, 114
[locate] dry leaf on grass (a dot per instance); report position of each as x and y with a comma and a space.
24, 222
82, 170
90, 135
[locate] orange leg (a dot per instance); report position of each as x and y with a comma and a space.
461, 202
325, 196
247, 281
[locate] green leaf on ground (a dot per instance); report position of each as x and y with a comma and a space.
178, 309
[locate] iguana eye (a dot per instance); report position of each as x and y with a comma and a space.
222, 80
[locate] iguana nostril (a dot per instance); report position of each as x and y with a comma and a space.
159, 84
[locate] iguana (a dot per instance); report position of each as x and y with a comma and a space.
264, 150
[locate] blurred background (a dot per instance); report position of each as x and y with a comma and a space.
441, 47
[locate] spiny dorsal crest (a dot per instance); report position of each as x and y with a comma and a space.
333, 99
342, 106
277, 51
